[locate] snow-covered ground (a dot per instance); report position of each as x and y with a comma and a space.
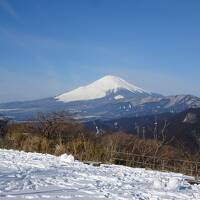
39, 176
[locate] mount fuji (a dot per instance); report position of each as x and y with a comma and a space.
107, 98
109, 87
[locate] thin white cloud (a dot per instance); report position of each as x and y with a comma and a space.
26, 39
7, 7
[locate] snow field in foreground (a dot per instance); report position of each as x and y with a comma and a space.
42, 176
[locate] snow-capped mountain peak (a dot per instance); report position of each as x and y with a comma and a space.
99, 89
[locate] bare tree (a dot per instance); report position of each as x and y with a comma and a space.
163, 140
52, 125
143, 132
137, 127
3, 127
155, 131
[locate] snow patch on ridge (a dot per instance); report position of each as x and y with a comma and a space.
118, 97
99, 89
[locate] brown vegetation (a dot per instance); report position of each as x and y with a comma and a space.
57, 134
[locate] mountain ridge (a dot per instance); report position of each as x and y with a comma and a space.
117, 98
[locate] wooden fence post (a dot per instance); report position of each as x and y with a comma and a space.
163, 165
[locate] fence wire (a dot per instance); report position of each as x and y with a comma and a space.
187, 167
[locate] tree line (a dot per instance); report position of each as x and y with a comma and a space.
58, 133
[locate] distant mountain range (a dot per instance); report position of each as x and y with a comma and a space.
107, 98
182, 127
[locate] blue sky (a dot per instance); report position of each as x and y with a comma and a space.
50, 46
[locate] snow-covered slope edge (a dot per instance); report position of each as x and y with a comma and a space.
99, 89
43, 176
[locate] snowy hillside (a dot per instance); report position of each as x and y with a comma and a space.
100, 89
39, 176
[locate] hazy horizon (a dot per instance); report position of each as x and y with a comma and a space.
49, 47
